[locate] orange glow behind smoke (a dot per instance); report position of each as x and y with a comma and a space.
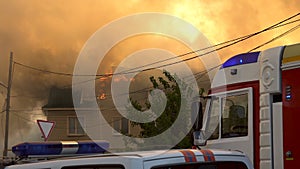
104, 84
50, 34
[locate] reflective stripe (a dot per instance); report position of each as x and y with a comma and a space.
208, 155
290, 59
189, 155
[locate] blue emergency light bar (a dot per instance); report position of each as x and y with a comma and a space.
241, 59
59, 148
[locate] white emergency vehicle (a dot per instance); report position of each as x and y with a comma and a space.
49, 156
254, 106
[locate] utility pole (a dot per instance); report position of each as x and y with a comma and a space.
9, 83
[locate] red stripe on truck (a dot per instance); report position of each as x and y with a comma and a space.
189, 155
208, 155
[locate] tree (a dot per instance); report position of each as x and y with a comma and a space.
174, 102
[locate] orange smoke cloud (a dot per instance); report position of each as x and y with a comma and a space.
50, 35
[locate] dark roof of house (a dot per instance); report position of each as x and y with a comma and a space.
63, 98
60, 98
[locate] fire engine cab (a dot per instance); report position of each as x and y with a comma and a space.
254, 106
91, 155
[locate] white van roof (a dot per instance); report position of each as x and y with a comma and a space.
142, 159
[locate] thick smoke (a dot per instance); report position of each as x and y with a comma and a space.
50, 34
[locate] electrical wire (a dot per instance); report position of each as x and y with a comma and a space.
25, 119
233, 41
200, 73
213, 46
26, 96
277, 37
259, 46
44, 71
18, 110
203, 73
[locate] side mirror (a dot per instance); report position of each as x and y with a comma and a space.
197, 114
199, 138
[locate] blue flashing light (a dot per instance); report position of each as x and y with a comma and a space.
92, 147
241, 59
56, 148
25, 149
288, 97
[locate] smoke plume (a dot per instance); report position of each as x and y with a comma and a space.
50, 34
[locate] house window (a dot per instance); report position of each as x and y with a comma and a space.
120, 125
74, 126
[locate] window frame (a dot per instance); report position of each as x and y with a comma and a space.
120, 123
76, 126
224, 100
223, 95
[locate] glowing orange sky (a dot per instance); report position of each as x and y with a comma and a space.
50, 34
59, 28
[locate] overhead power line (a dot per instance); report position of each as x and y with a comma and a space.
199, 73
26, 96
25, 109
202, 73
43, 70
277, 37
134, 70
273, 39
233, 42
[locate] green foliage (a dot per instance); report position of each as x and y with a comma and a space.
171, 89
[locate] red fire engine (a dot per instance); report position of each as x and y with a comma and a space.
254, 106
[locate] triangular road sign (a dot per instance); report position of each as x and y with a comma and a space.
45, 127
